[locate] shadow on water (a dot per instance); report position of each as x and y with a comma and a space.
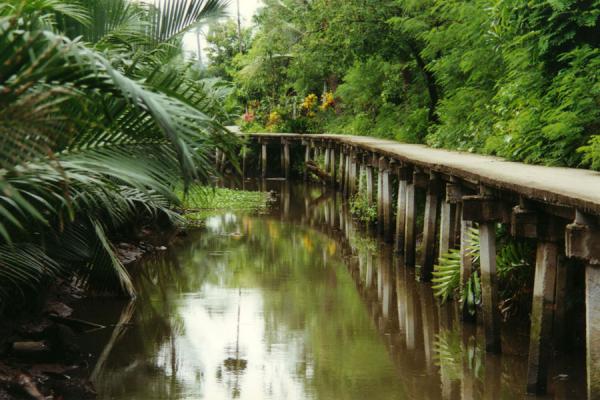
300, 303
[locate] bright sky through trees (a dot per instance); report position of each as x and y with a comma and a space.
247, 10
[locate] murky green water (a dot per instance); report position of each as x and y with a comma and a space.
297, 304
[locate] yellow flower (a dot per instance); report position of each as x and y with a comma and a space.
274, 119
327, 101
310, 102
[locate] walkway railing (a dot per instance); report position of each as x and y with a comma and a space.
559, 207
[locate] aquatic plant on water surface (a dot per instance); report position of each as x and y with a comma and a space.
100, 119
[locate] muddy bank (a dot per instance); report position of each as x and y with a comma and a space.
38, 355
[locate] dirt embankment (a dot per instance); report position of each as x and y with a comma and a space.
38, 355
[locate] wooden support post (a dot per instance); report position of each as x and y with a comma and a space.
400, 218
542, 310
347, 173
286, 159
430, 228
560, 327
592, 330
379, 196
332, 171
369, 173
341, 170
244, 151
466, 264
487, 211
401, 210
361, 172
306, 160
489, 287
263, 160
352, 174
410, 225
445, 227
386, 199
582, 240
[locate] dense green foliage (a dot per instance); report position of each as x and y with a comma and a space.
100, 120
514, 78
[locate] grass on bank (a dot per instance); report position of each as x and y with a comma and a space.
203, 202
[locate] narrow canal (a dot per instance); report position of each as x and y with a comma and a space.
299, 303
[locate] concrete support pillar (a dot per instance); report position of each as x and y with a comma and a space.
369, 173
446, 214
466, 264
353, 174
385, 199
379, 195
244, 151
410, 225
592, 330
341, 169
430, 228
348, 184
489, 287
306, 160
286, 159
542, 311
326, 163
400, 214
263, 160
332, 169
582, 241
487, 211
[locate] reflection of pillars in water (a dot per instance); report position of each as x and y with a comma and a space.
361, 267
341, 213
369, 272
410, 310
428, 321
380, 279
389, 292
286, 197
400, 292
492, 377
445, 324
332, 212
469, 360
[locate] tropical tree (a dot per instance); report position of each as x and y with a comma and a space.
96, 132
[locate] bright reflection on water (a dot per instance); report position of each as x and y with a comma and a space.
294, 305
